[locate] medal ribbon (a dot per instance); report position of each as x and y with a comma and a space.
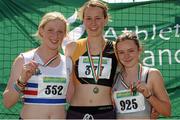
132, 85
49, 61
95, 75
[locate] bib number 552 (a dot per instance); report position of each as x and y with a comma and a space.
53, 89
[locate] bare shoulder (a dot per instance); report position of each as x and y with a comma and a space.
17, 66
69, 49
18, 61
155, 72
155, 76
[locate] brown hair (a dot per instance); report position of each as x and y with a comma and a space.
127, 35
93, 3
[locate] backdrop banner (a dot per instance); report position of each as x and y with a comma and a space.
156, 22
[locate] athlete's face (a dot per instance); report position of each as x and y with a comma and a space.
94, 21
53, 34
128, 53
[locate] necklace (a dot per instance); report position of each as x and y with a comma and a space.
49, 61
133, 84
93, 67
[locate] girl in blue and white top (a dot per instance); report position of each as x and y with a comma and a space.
137, 89
42, 74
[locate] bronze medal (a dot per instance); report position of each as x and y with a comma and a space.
96, 69
96, 90
37, 71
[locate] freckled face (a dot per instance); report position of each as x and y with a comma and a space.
94, 21
53, 34
128, 53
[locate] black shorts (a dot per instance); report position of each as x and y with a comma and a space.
97, 112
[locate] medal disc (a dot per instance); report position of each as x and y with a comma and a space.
37, 72
96, 90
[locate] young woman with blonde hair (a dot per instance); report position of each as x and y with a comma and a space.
42, 75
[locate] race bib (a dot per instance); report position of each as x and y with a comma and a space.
84, 68
126, 103
51, 87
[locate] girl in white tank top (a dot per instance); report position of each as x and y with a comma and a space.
42, 75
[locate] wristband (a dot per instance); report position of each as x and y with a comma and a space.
21, 82
17, 88
149, 96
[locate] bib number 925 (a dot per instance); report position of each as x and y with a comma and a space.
53, 89
128, 104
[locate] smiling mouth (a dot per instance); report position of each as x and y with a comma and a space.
54, 41
93, 29
127, 60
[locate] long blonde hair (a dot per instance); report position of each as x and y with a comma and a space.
49, 17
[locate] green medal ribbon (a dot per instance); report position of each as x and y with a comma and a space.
95, 75
133, 85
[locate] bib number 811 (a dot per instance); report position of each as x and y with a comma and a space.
54, 89
128, 104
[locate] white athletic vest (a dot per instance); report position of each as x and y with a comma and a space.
49, 87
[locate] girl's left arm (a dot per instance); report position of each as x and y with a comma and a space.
159, 100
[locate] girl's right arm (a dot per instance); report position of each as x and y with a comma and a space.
10, 95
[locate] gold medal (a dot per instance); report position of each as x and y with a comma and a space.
96, 90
